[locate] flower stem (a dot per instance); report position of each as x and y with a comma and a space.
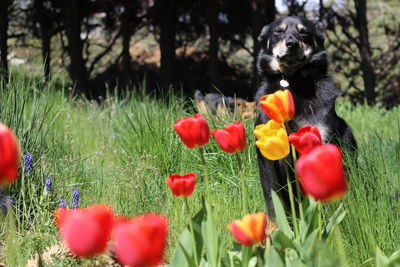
203, 162
246, 255
290, 189
196, 261
242, 184
294, 157
299, 197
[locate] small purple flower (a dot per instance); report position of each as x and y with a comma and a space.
6, 204
2, 193
28, 162
75, 198
3, 206
63, 204
49, 184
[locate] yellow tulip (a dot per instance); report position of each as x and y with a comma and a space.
273, 140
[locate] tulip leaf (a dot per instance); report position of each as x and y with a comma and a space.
281, 242
189, 258
272, 258
309, 242
336, 218
311, 220
185, 241
383, 261
232, 259
210, 237
281, 216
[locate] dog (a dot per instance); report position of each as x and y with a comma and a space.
292, 56
220, 105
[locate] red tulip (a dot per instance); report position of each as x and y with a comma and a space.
232, 138
193, 131
305, 139
85, 231
278, 106
182, 185
9, 156
140, 242
321, 173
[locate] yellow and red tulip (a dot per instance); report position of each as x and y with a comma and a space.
182, 185
193, 131
9, 156
278, 106
321, 173
232, 138
250, 229
305, 139
273, 141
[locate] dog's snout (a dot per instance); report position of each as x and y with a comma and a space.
292, 43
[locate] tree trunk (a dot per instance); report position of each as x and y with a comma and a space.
167, 42
126, 31
45, 24
46, 49
3, 39
321, 10
263, 13
72, 23
212, 71
368, 74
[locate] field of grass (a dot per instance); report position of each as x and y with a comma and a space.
121, 151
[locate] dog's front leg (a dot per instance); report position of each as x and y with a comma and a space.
268, 174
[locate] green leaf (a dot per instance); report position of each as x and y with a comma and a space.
189, 258
272, 258
292, 258
383, 261
231, 259
336, 218
309, 242
179, 258
210, 237
281, 218
281, 242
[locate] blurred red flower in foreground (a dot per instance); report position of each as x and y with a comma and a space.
182, 185
86, 231
278, 106
140, 241
250, 229
321, 173
305, 139
232, 138
9, 156
193, 131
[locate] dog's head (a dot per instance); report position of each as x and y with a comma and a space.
289, 43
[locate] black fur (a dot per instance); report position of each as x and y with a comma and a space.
313, 91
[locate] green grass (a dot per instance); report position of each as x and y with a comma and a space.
121, 151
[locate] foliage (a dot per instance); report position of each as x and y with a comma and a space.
120, 152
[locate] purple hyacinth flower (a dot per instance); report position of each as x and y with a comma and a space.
28, 162
49, 184
75, 198
63, 203
3, 206
6, 204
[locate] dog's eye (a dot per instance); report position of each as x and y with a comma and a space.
279, 31
303, 32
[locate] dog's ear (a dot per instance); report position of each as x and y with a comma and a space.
263, 35
319, 30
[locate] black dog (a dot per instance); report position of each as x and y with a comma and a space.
292, 55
